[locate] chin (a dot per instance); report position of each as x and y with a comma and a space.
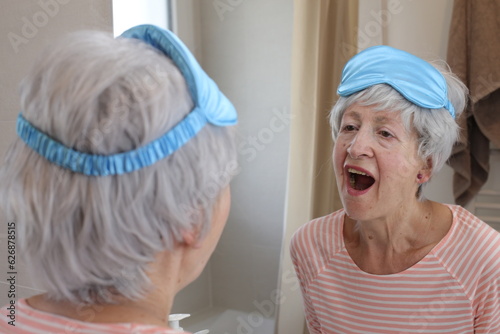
357, 210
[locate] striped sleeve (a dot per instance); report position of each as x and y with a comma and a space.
487, 303
487, 294
310, 248
473, 257
301, 271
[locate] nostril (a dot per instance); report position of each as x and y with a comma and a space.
355, 153
358, 149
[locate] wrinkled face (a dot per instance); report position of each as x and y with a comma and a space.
376, 163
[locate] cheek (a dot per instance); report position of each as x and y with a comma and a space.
410, 165
340, 148
399, 167
339, 154
338, 159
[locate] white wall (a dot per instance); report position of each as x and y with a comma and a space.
421, 28
246, 48
26, 26
129, 13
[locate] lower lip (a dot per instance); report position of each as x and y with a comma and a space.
354, 192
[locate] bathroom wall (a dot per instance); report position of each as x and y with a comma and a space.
26, 26
246, 48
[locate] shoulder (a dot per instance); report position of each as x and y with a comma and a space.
20, 317
319, 237
470, 229
471, 251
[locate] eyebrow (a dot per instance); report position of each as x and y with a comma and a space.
353, 114
383, 119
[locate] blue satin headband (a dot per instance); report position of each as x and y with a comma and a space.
417, 80
210, 106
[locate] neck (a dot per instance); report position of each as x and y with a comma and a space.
392, 244
405, 228
152, 309
143, 311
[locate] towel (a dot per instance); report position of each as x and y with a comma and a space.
474, 55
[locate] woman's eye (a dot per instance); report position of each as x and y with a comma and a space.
349, 128
385, 134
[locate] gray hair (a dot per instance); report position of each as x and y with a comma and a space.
437, 131
90, 239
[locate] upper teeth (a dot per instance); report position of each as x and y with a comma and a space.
352, 170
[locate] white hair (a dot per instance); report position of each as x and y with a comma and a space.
437, 131
88, 238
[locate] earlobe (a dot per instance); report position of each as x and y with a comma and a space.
424, 175
191, 238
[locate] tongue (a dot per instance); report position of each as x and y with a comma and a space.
363, 182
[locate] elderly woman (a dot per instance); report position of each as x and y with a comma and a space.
392, 261
118, 183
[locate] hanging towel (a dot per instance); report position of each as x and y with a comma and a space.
474, 55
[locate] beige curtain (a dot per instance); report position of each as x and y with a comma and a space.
325, 37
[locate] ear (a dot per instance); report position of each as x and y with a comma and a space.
425, 172
191, 237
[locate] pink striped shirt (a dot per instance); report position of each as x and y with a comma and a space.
31, 321
453, 289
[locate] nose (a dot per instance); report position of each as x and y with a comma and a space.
361, 145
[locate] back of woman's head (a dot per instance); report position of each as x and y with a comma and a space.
87, 238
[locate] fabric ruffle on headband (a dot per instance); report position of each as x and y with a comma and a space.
210, 106
414, 78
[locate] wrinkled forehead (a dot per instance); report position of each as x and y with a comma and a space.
380, 116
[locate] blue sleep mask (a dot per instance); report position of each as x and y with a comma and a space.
210, 106
417, 80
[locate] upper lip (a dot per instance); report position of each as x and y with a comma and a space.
347, 167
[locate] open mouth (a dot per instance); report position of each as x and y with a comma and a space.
360, 180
